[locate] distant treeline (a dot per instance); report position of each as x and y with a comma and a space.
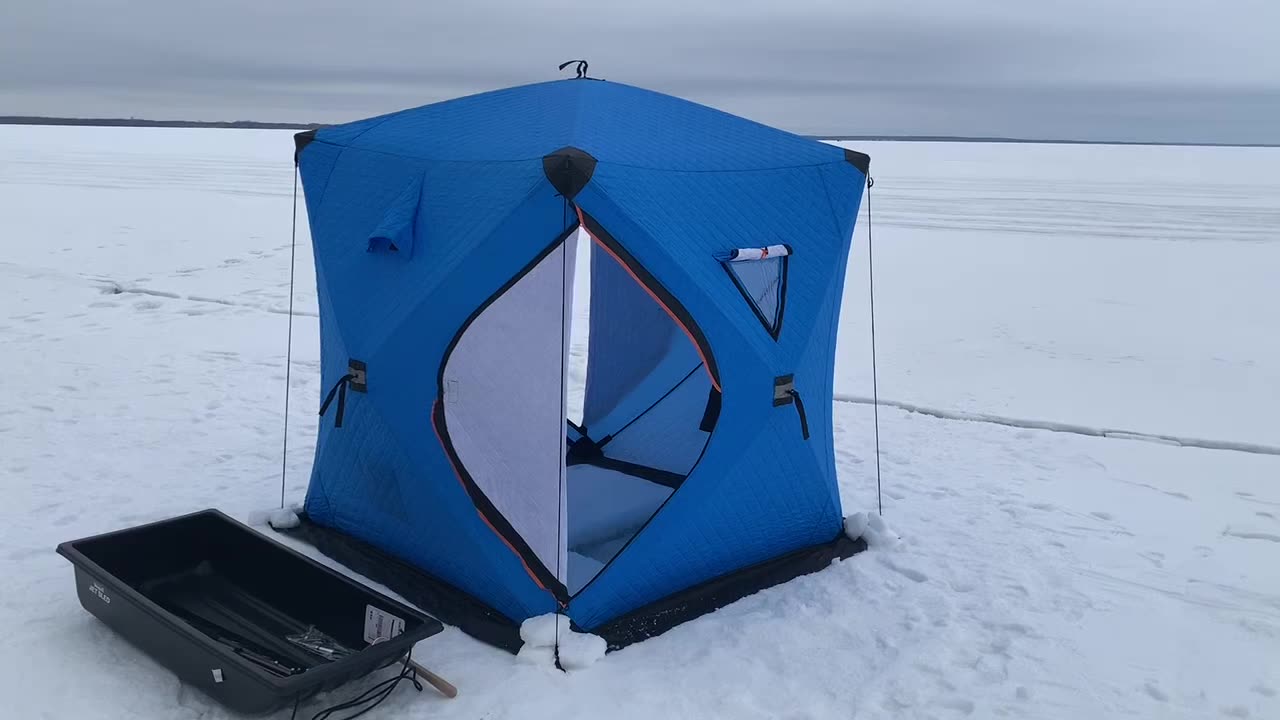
135, 122
254, 125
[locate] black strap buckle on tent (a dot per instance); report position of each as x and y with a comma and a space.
357, 379
785, 393
359, 375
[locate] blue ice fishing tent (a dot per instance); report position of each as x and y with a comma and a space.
709, 254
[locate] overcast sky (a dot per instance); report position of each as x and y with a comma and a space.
1161, 70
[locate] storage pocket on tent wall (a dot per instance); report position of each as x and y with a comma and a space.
394, 233
760, 274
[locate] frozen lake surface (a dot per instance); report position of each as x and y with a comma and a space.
1040, 574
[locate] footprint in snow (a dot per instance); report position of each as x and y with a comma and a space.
1235, 711
961, 705
1155, 558
907, 572
1246, 535
1102, 515
1263, 690
146, 305
1019, 589
1155, 692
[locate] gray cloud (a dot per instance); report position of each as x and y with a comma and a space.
1140, 70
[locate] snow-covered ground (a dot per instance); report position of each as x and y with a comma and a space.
143, 286
1123, 287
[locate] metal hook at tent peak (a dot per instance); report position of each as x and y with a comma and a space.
581, 69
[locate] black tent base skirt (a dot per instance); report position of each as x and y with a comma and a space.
475, 618
446, 602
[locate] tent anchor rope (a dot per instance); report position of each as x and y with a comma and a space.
875, 384
564, 411
288, 353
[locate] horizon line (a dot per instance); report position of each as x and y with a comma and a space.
261, 125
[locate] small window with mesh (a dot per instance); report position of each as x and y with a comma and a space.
760, 274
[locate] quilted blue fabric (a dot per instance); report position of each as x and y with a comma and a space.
678, 185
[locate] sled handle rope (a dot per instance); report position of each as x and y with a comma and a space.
375, 695
875, 384
445, 687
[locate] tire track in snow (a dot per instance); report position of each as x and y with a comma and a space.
110, 287
1050, 425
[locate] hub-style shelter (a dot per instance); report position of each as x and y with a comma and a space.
701, 468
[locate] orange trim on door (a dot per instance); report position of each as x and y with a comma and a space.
458, 475
697, 347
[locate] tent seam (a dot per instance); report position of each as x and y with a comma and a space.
423, 158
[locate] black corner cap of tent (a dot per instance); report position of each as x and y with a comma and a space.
301, 140
569, 170
862, 161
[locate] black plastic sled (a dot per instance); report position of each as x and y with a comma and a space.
252, 623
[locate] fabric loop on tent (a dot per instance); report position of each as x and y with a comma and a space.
581, 68
340, 389
804, 421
